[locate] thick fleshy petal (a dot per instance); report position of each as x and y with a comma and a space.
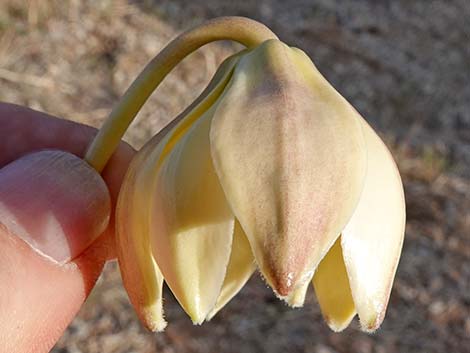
290, 156
373, 239
332, 289
297, 297
141, 274
192, 224
240, 268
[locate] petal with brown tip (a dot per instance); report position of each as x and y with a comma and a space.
290, 156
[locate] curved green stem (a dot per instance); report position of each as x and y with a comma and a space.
243, 30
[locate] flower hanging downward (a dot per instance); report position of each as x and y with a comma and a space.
269, 168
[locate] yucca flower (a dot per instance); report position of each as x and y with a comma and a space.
270, 169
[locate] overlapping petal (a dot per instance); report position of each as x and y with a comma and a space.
290, 156
240, 268
373, 239
332, 289
141, 274
192, 224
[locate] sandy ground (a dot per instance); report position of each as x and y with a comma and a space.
404, 65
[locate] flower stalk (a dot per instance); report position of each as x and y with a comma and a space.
239, 29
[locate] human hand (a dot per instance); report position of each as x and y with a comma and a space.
40, 295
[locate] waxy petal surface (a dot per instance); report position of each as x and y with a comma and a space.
192, 224
290, 156
240, 268
296, 298
332, 289
141, 275
373, 239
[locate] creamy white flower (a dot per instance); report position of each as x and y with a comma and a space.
270, 168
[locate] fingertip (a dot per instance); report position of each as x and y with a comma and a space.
55, 202
39, 297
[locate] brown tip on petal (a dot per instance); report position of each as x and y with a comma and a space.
373, 323
282, 290
282, 283
284, 274
290, 156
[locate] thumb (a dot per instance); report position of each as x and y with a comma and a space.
53, 206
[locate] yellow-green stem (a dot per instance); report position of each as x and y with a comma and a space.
243, 30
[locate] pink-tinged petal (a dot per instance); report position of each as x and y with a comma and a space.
332, 289
373, 239
290, 156
296, 298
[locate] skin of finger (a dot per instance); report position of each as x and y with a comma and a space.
24, 130
39, 298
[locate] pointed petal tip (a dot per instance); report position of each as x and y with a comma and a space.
158, 326
369, 327
336, 325
197, 313
197, 321
292, 300
372, 323
293, 303
297, 297
281, 287
197, 318
153, 319
283, 282
282, 290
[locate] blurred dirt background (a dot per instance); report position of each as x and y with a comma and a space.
405, 65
